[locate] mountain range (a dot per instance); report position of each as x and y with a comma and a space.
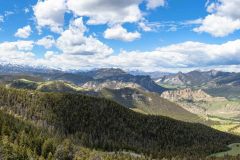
90, 79
199, 78
112, 114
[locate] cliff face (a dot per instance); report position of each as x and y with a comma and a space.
179, 79
187, 94
92, 85
200, 103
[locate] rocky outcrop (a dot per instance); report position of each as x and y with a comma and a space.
93, 85
194, 101
179, 79
189, 95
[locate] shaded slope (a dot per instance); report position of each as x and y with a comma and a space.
24, 84
149, 103
23, 140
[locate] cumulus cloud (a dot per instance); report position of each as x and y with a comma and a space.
50, 14
178, 56
46, 42
225, 8
73, 41
18, 52
152, 4
103, 11
224, 18
182, 56
24, 32
18, 45
117, 32
218, 26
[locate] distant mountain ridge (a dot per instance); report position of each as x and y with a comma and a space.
153, 75
104, 73
107, 77
20, 69
97, 77
198, 78
213, 82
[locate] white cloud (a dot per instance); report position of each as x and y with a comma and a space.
183, 56
226, 8
49, 54
117, 32
152, 4
218, 26
18, 52
73, 41
24, 32
49, 13
105, 11
18, 45
223, 20
46, 42
179, 56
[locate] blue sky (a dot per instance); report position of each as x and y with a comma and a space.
150, 35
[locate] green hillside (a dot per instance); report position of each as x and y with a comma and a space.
45, 86
102, 124
57, 86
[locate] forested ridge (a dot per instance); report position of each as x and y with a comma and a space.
20, 140
102, 124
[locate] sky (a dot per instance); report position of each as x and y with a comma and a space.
147, 35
